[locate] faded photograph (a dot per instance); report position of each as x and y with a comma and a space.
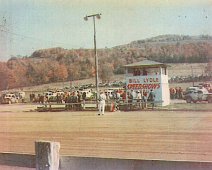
105, 85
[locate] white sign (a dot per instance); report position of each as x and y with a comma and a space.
143, 82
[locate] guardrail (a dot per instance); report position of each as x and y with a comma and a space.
47, 157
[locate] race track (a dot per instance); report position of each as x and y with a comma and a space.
146, 135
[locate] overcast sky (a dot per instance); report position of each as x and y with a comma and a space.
29, 25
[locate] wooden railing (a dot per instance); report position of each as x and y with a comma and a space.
91, 105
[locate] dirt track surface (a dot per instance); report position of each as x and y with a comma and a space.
148, 135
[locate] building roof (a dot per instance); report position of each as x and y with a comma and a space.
146, 63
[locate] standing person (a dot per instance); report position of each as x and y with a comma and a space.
74, 100
58, 98
180, 93
78, 101
67, 101
177, 93
172, 93
102, 99
30, 97
144, 103
144, 72
152, 98
118, 95
139, 97
124, 96
83, 98
134, 97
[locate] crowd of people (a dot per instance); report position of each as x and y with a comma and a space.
138, 72
77, 99
141, 97
176, 93
134, 98
67, 97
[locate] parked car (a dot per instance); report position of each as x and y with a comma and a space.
89, 94
193, 88
9, 99
50, 94
198, 95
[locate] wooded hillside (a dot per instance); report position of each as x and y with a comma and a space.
58, 64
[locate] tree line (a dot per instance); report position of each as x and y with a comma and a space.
58, 64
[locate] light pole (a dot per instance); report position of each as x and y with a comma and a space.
95, 52
192, 72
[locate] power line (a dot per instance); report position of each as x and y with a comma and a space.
29, 37
6, 30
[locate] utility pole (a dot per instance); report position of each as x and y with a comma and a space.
95, 53
192, 72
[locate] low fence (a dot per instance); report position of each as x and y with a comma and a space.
47, 158
91, 105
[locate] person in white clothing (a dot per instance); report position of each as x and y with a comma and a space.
102, 98
139, 97
134, 96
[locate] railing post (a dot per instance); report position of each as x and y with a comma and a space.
47, 155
